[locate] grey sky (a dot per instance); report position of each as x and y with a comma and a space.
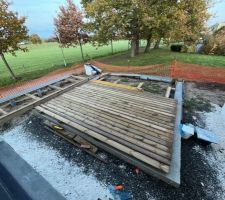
41, 13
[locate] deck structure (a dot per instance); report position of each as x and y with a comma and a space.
136, 126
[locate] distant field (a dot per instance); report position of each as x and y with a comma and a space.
164, 56
47, 57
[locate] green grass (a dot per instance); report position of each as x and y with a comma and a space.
47, 57
164, 56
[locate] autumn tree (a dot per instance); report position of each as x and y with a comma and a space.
120, 19
12, 32
191, 20
35, 39
69, 27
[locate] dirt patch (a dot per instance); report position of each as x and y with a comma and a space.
199, 97
215, 93
153, 87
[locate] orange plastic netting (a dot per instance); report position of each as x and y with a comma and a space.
177, 70
197, 73
160, 70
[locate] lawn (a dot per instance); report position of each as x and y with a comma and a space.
164, 56
47, 57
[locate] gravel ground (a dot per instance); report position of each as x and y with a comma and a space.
78, 175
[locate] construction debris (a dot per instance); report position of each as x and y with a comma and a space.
206, 135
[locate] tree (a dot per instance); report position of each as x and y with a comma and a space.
109, 19
35, 39
12, 32
192, 19
69, 27
214, 43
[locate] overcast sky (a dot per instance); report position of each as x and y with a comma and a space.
40, 14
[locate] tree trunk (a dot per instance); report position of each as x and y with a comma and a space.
112, 47
81, 50
148, 46
157, 44
137, 48
8, 67
134, 46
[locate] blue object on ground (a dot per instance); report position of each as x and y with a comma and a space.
206, 135
120, 194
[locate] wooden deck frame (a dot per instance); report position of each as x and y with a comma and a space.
71, 110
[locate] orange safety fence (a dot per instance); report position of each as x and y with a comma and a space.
177, 70
160, 69
198, 73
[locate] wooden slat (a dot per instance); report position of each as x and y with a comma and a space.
139, 87
131, 93
120, 113
148, 150
3, 112
107, 124
128, 105
137, 99
120, 122
152, 106
30, 106
108, 141
33, 96
126, 87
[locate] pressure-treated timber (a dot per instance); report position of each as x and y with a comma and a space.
25, 108
108, 141
136, 123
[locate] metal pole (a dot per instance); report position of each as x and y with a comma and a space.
64, 59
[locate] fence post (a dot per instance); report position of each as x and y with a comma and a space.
173, 68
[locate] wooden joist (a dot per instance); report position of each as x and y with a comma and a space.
138, 124
115, 85
25, 108
108, 141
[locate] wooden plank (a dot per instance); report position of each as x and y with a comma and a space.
114, 138
138, 98
133, 161
3, 112
75, 144
128, 118
139, 87
153, 106
30, 106
117, 81
129, 151
55, 87
128, 123
120, 122
128, 106
120, 113
139, 94
33, 96
126, 87
168, 91
146, 118
109, 108
111, 128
